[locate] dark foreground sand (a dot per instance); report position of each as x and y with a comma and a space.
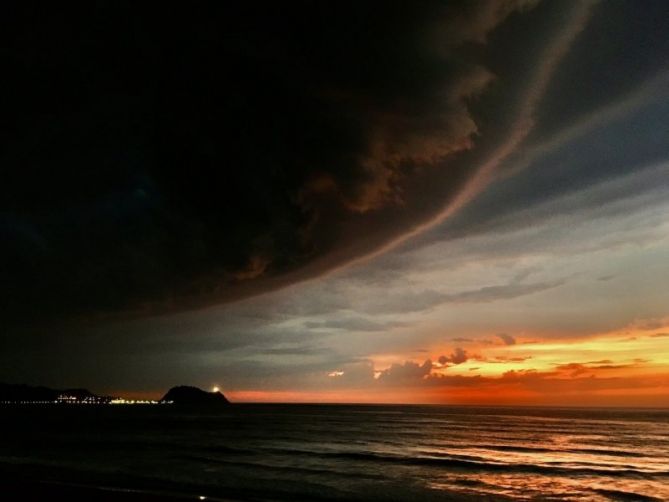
49, 484
53, 491
52, 483
49, 492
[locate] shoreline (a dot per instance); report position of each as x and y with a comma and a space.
46, 490
40, 482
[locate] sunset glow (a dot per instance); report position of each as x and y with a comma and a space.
335, 250
457, 205
626, 368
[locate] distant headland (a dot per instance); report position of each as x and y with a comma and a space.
186, 395
180, 395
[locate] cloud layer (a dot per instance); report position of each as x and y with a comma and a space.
169, 164
430, 201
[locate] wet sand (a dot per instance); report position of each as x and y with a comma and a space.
24, 490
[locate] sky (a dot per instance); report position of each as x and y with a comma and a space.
446, 202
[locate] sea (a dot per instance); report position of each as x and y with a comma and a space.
342, 452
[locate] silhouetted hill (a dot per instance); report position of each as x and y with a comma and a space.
193, 396
20, 393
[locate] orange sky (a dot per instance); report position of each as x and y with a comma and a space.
629, 367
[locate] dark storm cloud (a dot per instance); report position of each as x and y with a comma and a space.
161, 160
602, 166
168, 160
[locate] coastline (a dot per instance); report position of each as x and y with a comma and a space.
45, 490
40, 482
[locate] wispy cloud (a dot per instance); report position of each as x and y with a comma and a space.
428, 299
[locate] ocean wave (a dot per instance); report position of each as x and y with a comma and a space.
626, 496
580, 451
479, 464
